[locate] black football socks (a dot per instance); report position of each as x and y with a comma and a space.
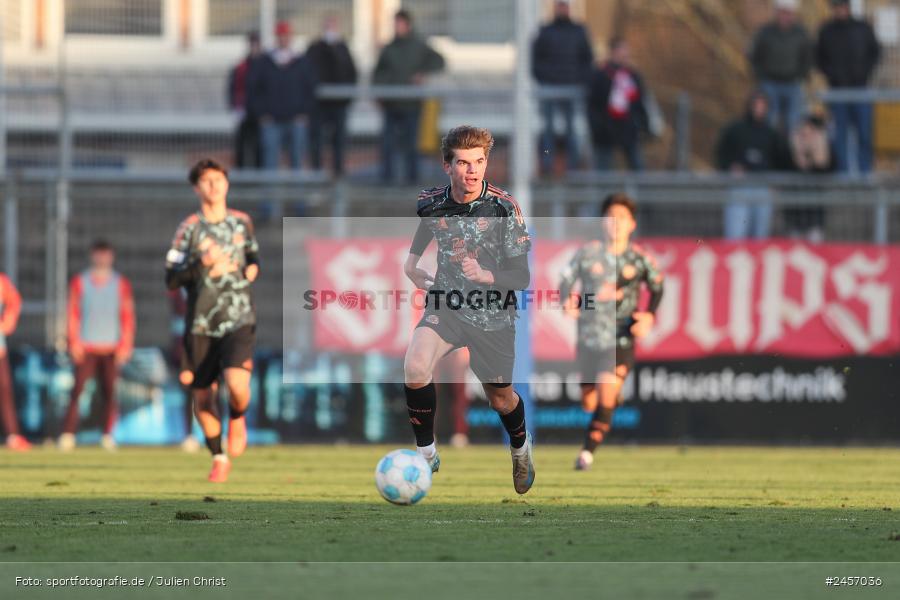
215, 444
514, 422
600, 425
421, 404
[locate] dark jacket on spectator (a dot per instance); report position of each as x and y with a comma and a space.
561, 53
847, 52
781, 55
611, 124
236, 92
752, 144
333, 64
281, 92
400, 61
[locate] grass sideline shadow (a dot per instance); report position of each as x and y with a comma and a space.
220, 527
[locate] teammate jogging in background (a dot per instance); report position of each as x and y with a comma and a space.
215, 257
10, 305
612, 269
101, 338
482, 247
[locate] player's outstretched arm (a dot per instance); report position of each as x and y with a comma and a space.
421, 278
180, 271
653, 279
251, 271
251, 252
570, 275
127, 322
12, 305
73, 325
178, 276
515, 276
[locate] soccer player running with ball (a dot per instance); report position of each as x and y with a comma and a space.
482, 258
214, 256
613, 270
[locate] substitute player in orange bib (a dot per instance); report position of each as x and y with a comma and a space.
101, 328
10, 305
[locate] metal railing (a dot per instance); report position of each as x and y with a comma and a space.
144, 133
872, 95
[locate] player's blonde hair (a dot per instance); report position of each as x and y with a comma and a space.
466, 137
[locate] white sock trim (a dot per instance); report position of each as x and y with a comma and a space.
427, 451
519, 451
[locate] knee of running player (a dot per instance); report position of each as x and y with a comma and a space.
501, 397
621, 376
204, 400
238, 382
608, 396
588, 397
417, 371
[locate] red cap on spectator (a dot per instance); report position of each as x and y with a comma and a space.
283, 28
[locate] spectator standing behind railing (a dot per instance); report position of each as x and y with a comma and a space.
782, 58
331, 59
616, 110
246, 138
404, 61
847, 53
560, 55
281, 90
811, 154
746, 146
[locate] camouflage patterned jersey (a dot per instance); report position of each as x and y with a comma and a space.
611, 277
219, 299
489, 229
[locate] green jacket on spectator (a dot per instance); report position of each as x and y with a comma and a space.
782, 55
401, 62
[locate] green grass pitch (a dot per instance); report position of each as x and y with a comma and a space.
319, 503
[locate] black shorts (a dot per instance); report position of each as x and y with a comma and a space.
207, 357
491, 353
592, 362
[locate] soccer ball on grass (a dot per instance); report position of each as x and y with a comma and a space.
403, 477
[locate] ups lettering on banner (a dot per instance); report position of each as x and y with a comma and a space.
774, 297
779, 297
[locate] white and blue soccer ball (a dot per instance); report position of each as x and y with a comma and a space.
403, 477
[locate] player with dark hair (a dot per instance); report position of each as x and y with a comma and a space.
101, 337
482, 257
613, 269
10, 307
215, 257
